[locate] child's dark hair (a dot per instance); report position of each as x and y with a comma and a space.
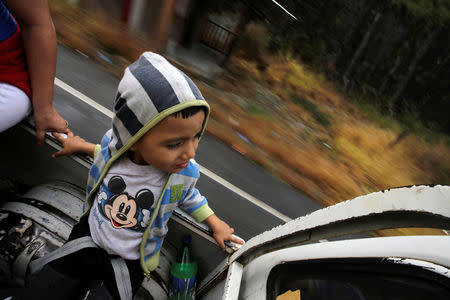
189, 111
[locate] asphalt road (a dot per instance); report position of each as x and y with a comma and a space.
236, 184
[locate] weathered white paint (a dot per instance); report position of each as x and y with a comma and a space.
425, 250
433, 200
420, 263
233, 281
211, 280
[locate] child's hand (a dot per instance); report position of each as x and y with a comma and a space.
221, 231
72, 144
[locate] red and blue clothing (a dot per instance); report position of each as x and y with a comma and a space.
13, 67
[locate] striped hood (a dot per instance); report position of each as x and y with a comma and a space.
150, 90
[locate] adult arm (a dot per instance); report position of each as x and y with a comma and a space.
39, 39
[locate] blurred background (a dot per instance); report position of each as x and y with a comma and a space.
336, 98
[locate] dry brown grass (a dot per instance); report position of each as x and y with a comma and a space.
331, 162
367, 148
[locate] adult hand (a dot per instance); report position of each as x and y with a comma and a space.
48, 119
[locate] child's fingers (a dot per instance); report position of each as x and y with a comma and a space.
237, 240
220, 241
61, 135
58, 136
222, 245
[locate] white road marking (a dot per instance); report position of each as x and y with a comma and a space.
83, 97
203, 170
244, 194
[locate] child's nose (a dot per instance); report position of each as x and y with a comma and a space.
190, 150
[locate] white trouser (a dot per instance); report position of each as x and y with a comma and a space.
14, 105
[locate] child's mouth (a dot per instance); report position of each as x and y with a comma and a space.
182, 166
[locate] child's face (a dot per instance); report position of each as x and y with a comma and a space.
170, 144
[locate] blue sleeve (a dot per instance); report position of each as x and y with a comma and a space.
7, 24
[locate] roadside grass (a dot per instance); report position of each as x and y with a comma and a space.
408, 120
371, 109
367, 148
256, 111
321, 117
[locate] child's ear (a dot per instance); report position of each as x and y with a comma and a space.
132, 153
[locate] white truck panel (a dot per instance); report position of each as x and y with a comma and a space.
432, 201
233, 282
427, 249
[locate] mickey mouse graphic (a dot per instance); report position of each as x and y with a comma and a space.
124, 211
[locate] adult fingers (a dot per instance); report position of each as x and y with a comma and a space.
57, 154
40, 132
62, 127
40, 136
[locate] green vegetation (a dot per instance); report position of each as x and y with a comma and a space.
321, 117
256, 111
407, 121
433, 10
393, 52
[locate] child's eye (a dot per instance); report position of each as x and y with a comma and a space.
174, 145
